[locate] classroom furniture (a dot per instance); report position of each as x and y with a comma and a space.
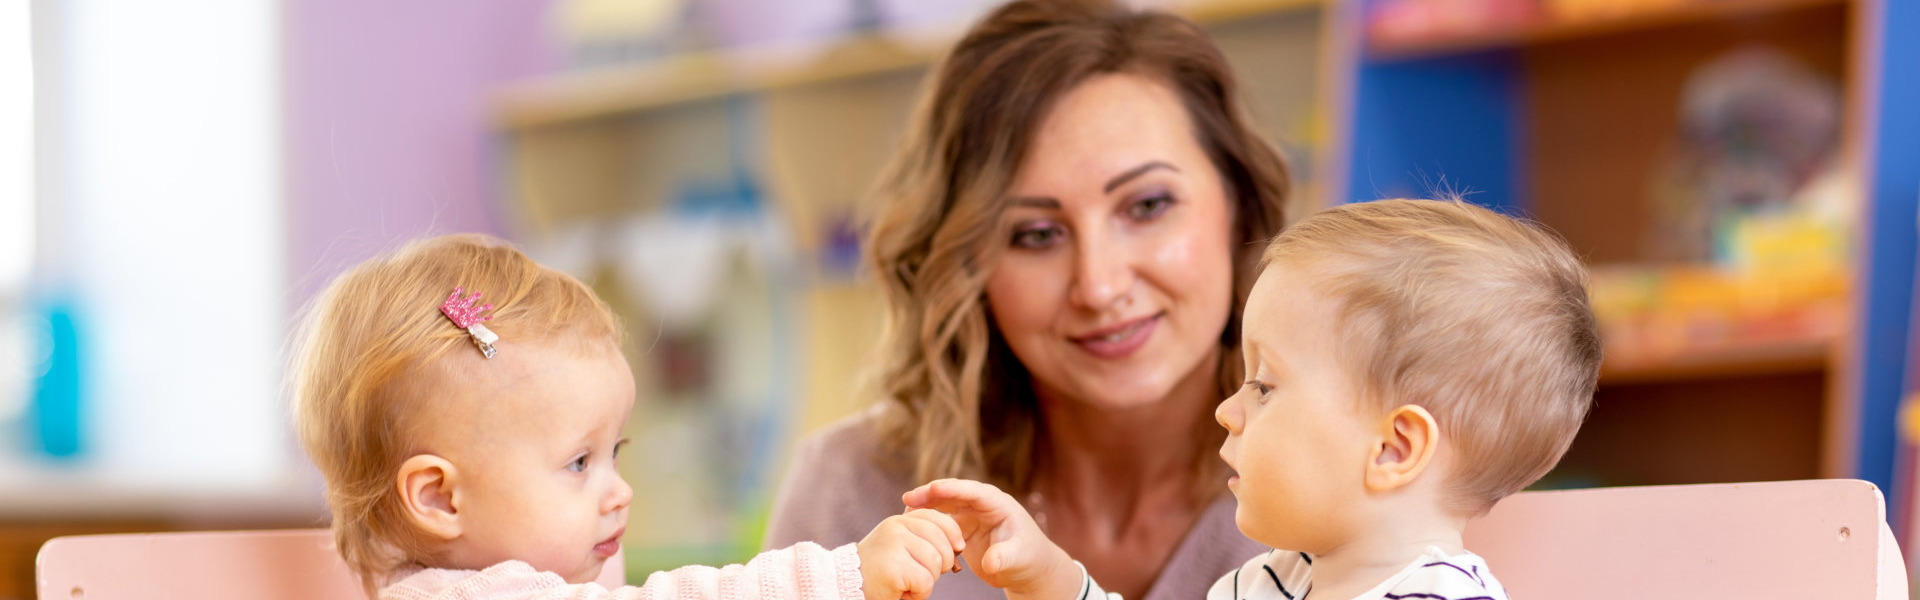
1784, 539
1563, 120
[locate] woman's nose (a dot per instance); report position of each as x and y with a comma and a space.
1103, 270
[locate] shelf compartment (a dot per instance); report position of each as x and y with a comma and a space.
707, 75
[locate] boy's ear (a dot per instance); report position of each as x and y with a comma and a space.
1408, 440
427, 490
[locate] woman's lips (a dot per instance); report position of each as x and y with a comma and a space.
1120, 340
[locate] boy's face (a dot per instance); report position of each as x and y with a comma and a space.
533, 444
1295, 433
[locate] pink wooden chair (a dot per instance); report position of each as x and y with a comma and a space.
291, 564
1823, 539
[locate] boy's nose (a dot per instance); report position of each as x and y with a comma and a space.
1228, 414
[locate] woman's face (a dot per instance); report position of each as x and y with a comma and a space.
1117, 275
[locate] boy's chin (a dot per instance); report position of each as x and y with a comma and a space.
1257, 532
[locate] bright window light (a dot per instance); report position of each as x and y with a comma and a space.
16, 147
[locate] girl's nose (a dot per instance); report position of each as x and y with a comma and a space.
619, 497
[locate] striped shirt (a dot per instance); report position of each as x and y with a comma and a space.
1434, 575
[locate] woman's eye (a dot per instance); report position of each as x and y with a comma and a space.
1036, 236
1148, 208
579, 465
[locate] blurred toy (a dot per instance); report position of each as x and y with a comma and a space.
1756, 128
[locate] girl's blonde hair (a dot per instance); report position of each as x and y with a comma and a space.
965, 402
1480, 318
368, 343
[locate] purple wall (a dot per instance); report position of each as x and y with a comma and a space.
387, 133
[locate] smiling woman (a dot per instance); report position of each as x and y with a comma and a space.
1064, 240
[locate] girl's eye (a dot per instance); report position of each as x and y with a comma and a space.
1148, 208
1037, 236
618, 446
579, 464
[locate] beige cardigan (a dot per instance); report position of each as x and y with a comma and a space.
835, 493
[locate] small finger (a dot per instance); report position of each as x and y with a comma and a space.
930, 559
946, 523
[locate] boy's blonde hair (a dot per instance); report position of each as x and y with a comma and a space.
1480, 318
364, 362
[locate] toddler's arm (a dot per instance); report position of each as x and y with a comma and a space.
901, 558
803, 571
1004, 546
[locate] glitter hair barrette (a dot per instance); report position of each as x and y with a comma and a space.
467, 316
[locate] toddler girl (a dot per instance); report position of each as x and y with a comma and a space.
465, 406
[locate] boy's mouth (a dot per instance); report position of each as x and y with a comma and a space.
1233, 473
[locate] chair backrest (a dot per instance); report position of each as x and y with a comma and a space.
1788, 539
292, 564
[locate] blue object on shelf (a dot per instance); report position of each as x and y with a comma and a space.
56, 413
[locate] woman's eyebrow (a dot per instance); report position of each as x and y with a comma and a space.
1136, 172
1118, 180
1036, 202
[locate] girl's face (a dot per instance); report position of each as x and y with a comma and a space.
1116, 280
533, 441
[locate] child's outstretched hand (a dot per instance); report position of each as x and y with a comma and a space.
1004, 546
904, 554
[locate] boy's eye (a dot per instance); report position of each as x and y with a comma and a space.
618, 446
579, 464
1259, 389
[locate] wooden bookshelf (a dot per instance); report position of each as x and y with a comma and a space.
712, 74
1811, 355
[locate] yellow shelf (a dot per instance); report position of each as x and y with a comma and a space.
1552, 30
1690, 322
706, 75
1772, 358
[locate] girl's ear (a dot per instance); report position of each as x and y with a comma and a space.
427, 490
1410, 436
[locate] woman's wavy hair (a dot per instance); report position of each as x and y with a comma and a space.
965, 405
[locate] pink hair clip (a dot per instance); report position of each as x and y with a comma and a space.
467, 316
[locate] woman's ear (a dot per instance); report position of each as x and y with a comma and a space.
1410, 436
427, 490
